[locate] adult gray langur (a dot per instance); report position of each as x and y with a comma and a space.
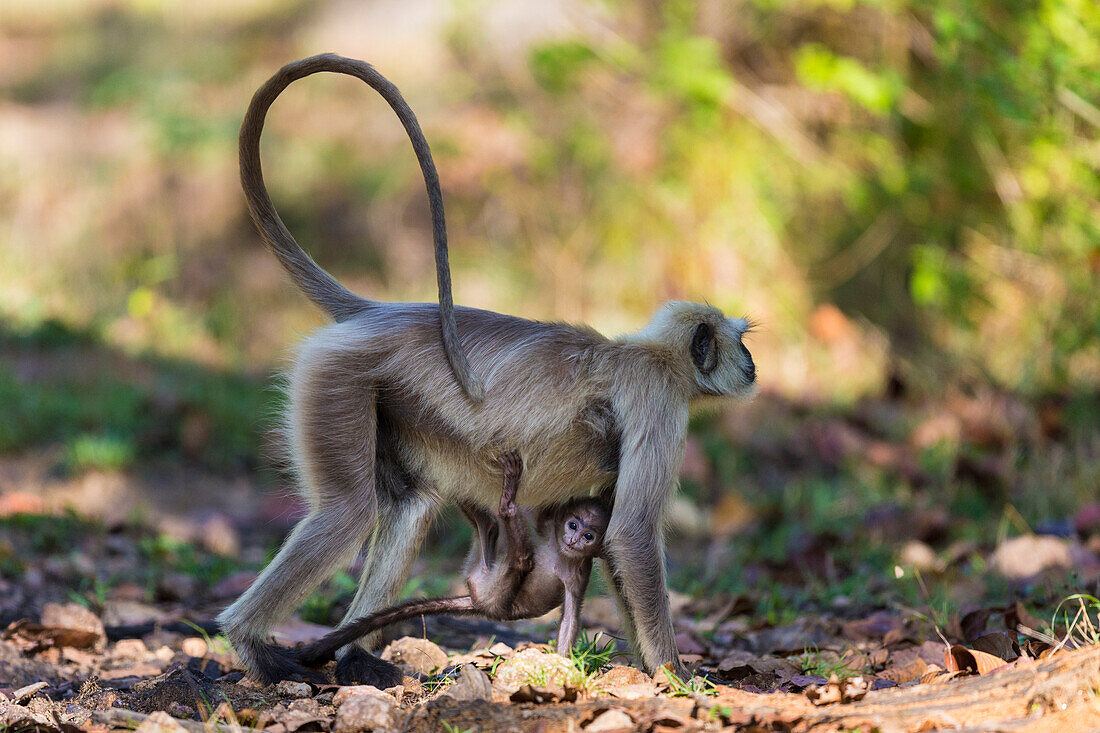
385, 427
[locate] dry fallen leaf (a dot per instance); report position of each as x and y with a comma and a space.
999, 644
906, 672
36, 637
935, 675
958, 658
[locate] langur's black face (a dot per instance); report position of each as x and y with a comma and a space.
719, 363
724, 367
582, 533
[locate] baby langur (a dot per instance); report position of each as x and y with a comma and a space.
506, 584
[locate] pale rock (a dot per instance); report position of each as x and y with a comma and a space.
160, 722
919, 556
611, 720
500, 649
289, 688
194, 647
131, 650
634, 692
345, 693
415, 656
131, 613
620, 675
1026, 556
366, 713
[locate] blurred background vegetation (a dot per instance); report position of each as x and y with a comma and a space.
903, 194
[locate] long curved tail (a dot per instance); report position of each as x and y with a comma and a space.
324, 649
318, 285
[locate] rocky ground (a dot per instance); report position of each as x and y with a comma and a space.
153, 667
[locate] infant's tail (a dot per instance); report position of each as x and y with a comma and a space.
324, 649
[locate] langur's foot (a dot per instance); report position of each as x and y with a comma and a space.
360, 667
269, 663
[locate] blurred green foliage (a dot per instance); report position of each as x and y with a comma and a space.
928, 167
107, 409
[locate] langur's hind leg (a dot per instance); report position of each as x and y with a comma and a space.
331, 421
487, 528
520, 556
394, 545
319, 544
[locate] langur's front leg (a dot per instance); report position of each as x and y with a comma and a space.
652, 450
636, 565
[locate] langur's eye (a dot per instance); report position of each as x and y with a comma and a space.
572, 525
588, 536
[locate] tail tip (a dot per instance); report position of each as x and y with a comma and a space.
473, 388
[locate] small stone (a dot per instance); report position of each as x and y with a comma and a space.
24, 693
132, 650
233, 585
178, 586
194, 647
130, 613
472, 684
219, 536
415, 656
919, 556
1022, 558
634, 692
500, 649
620, 674
131, 592
344, 693
179, 710
611, 720
75, 713
366, 712
288, 688
412, 686
626, 683
305, 705
160, 722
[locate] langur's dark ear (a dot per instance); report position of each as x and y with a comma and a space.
704, 351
